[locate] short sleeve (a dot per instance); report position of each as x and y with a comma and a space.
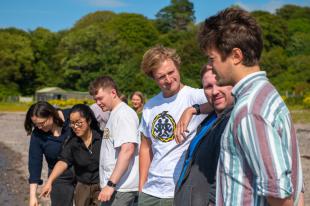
143, 126
197, 96
126, 130
267, 155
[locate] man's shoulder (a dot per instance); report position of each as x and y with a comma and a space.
154, 100
125, 112
191, 89
260, 97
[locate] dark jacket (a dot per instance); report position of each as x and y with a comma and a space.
196, 187
45, 144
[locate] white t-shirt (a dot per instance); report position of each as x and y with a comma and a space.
122, 127
159, 118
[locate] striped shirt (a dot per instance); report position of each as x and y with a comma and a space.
259, 154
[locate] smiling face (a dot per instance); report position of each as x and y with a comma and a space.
167, 77
218, 96
223, 70
79, 124
136, 102
44, 124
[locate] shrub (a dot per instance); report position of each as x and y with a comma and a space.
70, 102
306, 101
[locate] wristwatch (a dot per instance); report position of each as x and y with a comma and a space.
197, 108
111, 184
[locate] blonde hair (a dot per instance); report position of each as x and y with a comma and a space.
155, 56
140, 95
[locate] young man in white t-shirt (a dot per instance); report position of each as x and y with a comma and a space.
161, 158
119, 164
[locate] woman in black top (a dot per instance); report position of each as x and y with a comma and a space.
83, 152
49, 131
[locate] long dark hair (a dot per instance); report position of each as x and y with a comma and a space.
41, 109
86, 112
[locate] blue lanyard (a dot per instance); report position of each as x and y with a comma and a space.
204, 128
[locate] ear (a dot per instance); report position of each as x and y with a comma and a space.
113, 92
237, 56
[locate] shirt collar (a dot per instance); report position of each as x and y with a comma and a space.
95, 136
246, 82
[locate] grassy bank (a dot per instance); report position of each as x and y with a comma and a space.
299, 114
13, 107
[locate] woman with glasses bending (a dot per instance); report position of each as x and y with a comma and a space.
82, 152
49, 131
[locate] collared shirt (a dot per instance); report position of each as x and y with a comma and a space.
259, 151
44, 144
84, 160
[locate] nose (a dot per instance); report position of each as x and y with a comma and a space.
215, 90
168, 79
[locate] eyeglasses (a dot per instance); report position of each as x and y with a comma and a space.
76, 124
40, 124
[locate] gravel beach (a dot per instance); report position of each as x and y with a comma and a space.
14, 143
14, 157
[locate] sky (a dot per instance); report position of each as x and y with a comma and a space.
57, 15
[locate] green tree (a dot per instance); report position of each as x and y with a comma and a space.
104, 48
177, 16
289, 11
93, 18
16, 58
297, 76
274, 29
274, 62
44, 44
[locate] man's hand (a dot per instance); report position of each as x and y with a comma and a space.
181, 129
106, 194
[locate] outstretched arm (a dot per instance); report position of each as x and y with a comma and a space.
59, 168
33, 201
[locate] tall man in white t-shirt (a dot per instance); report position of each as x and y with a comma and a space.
119, 164
161, 158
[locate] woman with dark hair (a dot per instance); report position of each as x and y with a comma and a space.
82, 152
49, 131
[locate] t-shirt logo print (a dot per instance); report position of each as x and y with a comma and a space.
106, 133
163, 127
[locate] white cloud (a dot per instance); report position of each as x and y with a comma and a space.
270, 6
106, 3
